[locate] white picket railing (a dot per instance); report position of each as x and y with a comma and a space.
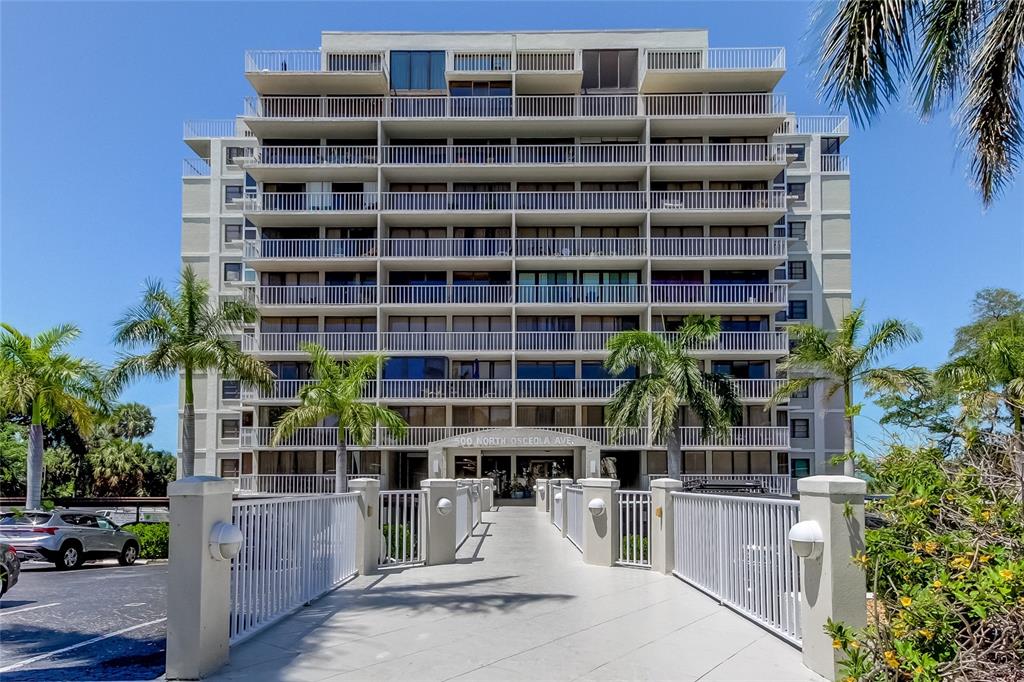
463, 514
720, 247
726, 105
573, 497
835, 163
581, 293
815, 125
719, 200
310, 155
315, 294
402, 527
774, 484
567, 388
446, 248
720, 152
477, 62
557, 500
198, 128
739, 437
739, 294
294, 549
736, 550
287, 484
310, 202
440, 293
555, 60
634, 507
282, 249
590, 247
717, 58
291, 342
446, 388
447, 341
312, 61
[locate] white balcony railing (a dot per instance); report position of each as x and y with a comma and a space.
432, 294
446, 388
755, 437
288, 389
480, 62
725, 105
835, 163
811, 125
310, 202
284, 249
446, 248
553, 60
195, 168
446, 201
584, 247
719, 247
530, 389
286, 484
718, 59
775, 341
312, 61
447, 341
300, 295
199, 128
580, 293
775, 484
546, 154
719, 200
292, 342
742, 342
719, 153
756, 389
333, 155
738, 294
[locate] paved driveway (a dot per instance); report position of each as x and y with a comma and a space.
518, 605
100, 622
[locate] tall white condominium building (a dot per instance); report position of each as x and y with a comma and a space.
486, 210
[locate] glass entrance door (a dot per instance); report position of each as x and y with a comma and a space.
499, 468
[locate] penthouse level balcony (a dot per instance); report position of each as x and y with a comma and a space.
297, 71
755, 297
713, 69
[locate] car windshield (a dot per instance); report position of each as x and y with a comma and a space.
29, 519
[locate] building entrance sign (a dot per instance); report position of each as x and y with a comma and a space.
500, 441
520, 451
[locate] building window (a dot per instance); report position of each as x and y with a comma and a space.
797, 310
232, 272
781, 463
232, 153
799, 468
798, 230
802, 393
830, 145
797, 269
229, 428
230, 389
232, 232
417, 70
609, 69
799, 428
797, 190
796, 150
232, 193
229, 468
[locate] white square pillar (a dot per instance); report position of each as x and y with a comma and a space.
540, 495
440, 520
663, 533
600, 521
367, 528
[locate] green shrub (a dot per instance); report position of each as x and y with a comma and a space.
398, 537
154, 538
635, 547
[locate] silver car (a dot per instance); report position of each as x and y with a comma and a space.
66, 538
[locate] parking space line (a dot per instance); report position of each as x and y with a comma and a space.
33, 659
11, 612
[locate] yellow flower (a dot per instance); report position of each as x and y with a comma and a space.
854, 644
1006, 574
917, 545
918, 560
918, 502
961, 562
918, 670
926, 633
849, 679
890, 659
984, 558
937, 584
931, 547
986, 515
836, 644
861, 559
906, 601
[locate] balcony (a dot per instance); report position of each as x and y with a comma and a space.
587, 294
732, 161
304, 163
198, 133
833, 126
195, 168
550, 202
292, 342
446, 294
287, 390
303, 71
715, 114
835, 163
739, 296
447, 342
281, 252
548, 71
734, 206
461, 65
494, 162
584, 247
453, 389
756, 390
724, 251
714, 69
739, 437
563, 389
446, 248
317, 295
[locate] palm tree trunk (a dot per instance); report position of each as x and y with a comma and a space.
34, 467
848, 468
674, 455
341, 463
188, 429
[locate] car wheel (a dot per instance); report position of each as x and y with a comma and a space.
70, 556
129, 554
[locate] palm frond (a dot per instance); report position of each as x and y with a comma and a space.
894, 379
299, 417
791, 387
887, 336
635, 348
948, 33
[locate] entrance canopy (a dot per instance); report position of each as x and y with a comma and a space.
441, 453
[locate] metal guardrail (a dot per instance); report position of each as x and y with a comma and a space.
402, 527
634, 507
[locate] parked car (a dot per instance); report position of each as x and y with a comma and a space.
67, 538
10, 567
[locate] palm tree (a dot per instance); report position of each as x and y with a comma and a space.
37, 378
969, 51
187, 333
837, 359
129, 421
673, 379
337, 391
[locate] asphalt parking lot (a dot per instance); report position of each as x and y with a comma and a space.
100, 622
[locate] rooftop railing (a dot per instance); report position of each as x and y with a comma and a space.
312, 61
195, 168
476, 62
201, 128
718, 59
811, 125
551, 60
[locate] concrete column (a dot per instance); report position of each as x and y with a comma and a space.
555, 488
440, 526
488, 495
832, 586
592, 462
198, 586
541, 494
663, 533
600, 533
367, 529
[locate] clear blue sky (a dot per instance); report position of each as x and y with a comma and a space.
94, 96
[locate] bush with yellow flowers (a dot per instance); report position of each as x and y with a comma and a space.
946, 567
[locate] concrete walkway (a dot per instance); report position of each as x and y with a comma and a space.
518, 605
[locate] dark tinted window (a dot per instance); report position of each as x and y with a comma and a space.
30, 519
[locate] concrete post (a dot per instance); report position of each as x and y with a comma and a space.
541, 494
367, 529
554, 486
600, 526
832, 586
663, 533
440, 519
488, 495
198, 586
